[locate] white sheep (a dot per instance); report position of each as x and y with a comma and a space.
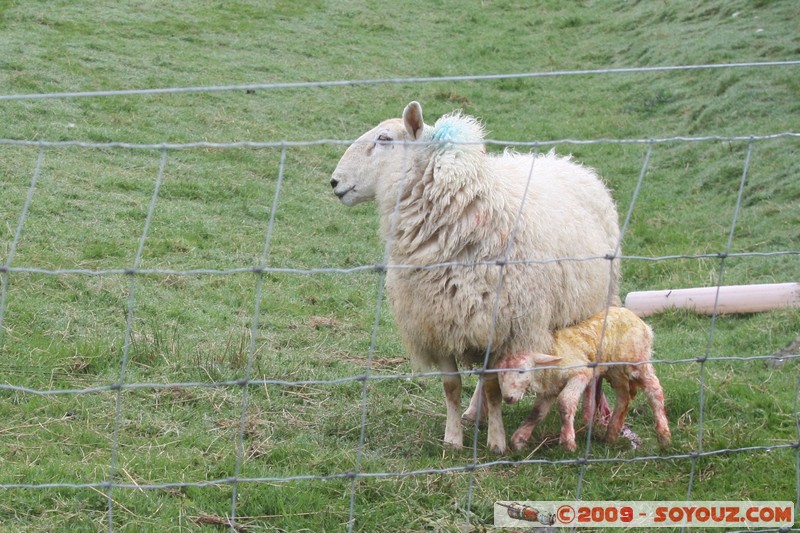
518, 265
565, 375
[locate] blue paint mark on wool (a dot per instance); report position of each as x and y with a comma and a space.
448, 132
456, 129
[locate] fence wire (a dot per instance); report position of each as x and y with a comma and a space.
396, 81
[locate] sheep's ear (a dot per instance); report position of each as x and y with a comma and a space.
412, 118
542, 359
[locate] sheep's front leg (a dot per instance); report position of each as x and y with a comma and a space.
494, 403
453, 432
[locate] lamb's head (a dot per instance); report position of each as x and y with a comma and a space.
379, 154
516, 375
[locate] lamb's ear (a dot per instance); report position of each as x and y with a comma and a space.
412, 118
542, 359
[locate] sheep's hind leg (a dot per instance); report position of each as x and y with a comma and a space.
453, 432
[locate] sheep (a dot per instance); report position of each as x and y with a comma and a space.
618, 337
496, 268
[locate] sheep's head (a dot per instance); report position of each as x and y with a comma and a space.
378, 154
516, 373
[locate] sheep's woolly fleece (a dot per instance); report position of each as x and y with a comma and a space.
461, 205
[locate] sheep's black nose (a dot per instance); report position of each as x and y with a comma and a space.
334, 182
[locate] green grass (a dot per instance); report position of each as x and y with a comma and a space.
214, 206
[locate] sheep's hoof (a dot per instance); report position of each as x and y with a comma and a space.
570, 445
496, 445
498, 449
455, 444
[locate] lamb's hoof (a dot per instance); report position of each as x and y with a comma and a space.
612, 435
519, 444
570, 446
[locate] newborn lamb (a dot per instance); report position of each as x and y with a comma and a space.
622, 358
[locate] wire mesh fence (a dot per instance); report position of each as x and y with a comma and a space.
130, 274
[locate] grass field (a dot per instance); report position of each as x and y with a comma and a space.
214, 207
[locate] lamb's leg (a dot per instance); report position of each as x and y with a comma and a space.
621, 386
538, 412
494, 402
655, 394
471, 414
453, 432
568, 400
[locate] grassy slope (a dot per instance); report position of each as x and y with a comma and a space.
212, 212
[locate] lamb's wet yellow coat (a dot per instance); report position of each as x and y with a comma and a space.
613, 336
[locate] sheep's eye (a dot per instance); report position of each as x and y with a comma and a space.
384, 138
